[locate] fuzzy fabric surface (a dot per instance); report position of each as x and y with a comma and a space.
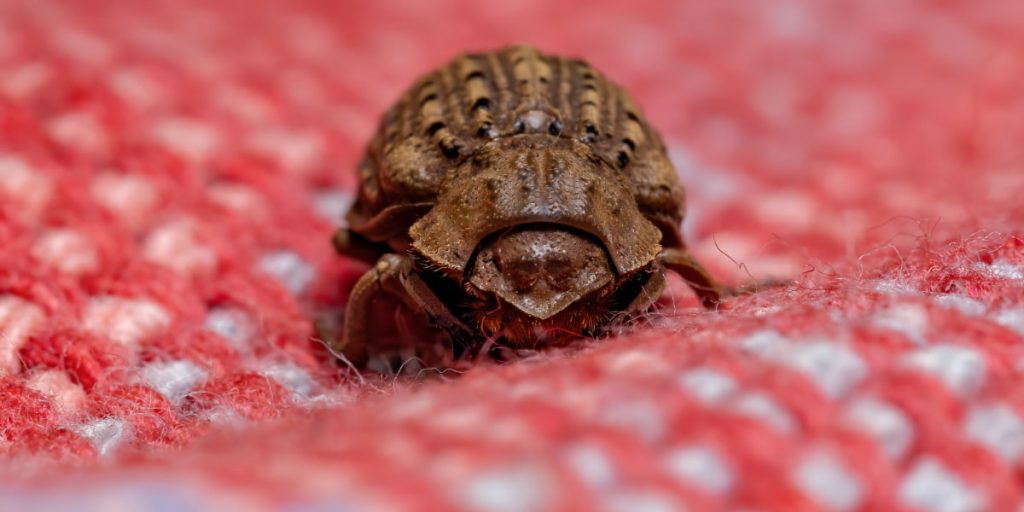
171, 173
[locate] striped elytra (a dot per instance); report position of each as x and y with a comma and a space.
451, 112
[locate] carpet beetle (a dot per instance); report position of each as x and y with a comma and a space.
516, 196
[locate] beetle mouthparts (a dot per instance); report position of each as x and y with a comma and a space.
541, 269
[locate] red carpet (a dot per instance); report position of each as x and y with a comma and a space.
171, 172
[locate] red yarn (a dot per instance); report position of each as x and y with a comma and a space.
88, 359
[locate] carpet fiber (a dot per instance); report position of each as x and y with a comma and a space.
171, 172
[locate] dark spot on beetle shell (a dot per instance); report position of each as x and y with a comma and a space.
590, 87
524, 82
632, 116
629, 143
543, 80
486, 131
474, 75
588, 75
434, 127
482, 103
622, 159
555, 127
427, 99
450, 150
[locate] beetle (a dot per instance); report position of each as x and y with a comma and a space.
517, 196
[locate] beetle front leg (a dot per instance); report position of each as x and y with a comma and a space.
394, 274
696, 276
708, 290
648, 295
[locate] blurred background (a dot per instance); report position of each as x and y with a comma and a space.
814, 121
171, 172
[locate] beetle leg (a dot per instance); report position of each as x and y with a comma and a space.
709, 291
649, 293
396, 275
413, 290
696, 276
391, 222
352, 244
357, 312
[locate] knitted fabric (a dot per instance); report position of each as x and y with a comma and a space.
171, 173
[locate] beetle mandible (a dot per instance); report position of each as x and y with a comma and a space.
515, 195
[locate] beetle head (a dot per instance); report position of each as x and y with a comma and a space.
536, 272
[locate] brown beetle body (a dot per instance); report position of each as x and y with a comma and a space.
517, 196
